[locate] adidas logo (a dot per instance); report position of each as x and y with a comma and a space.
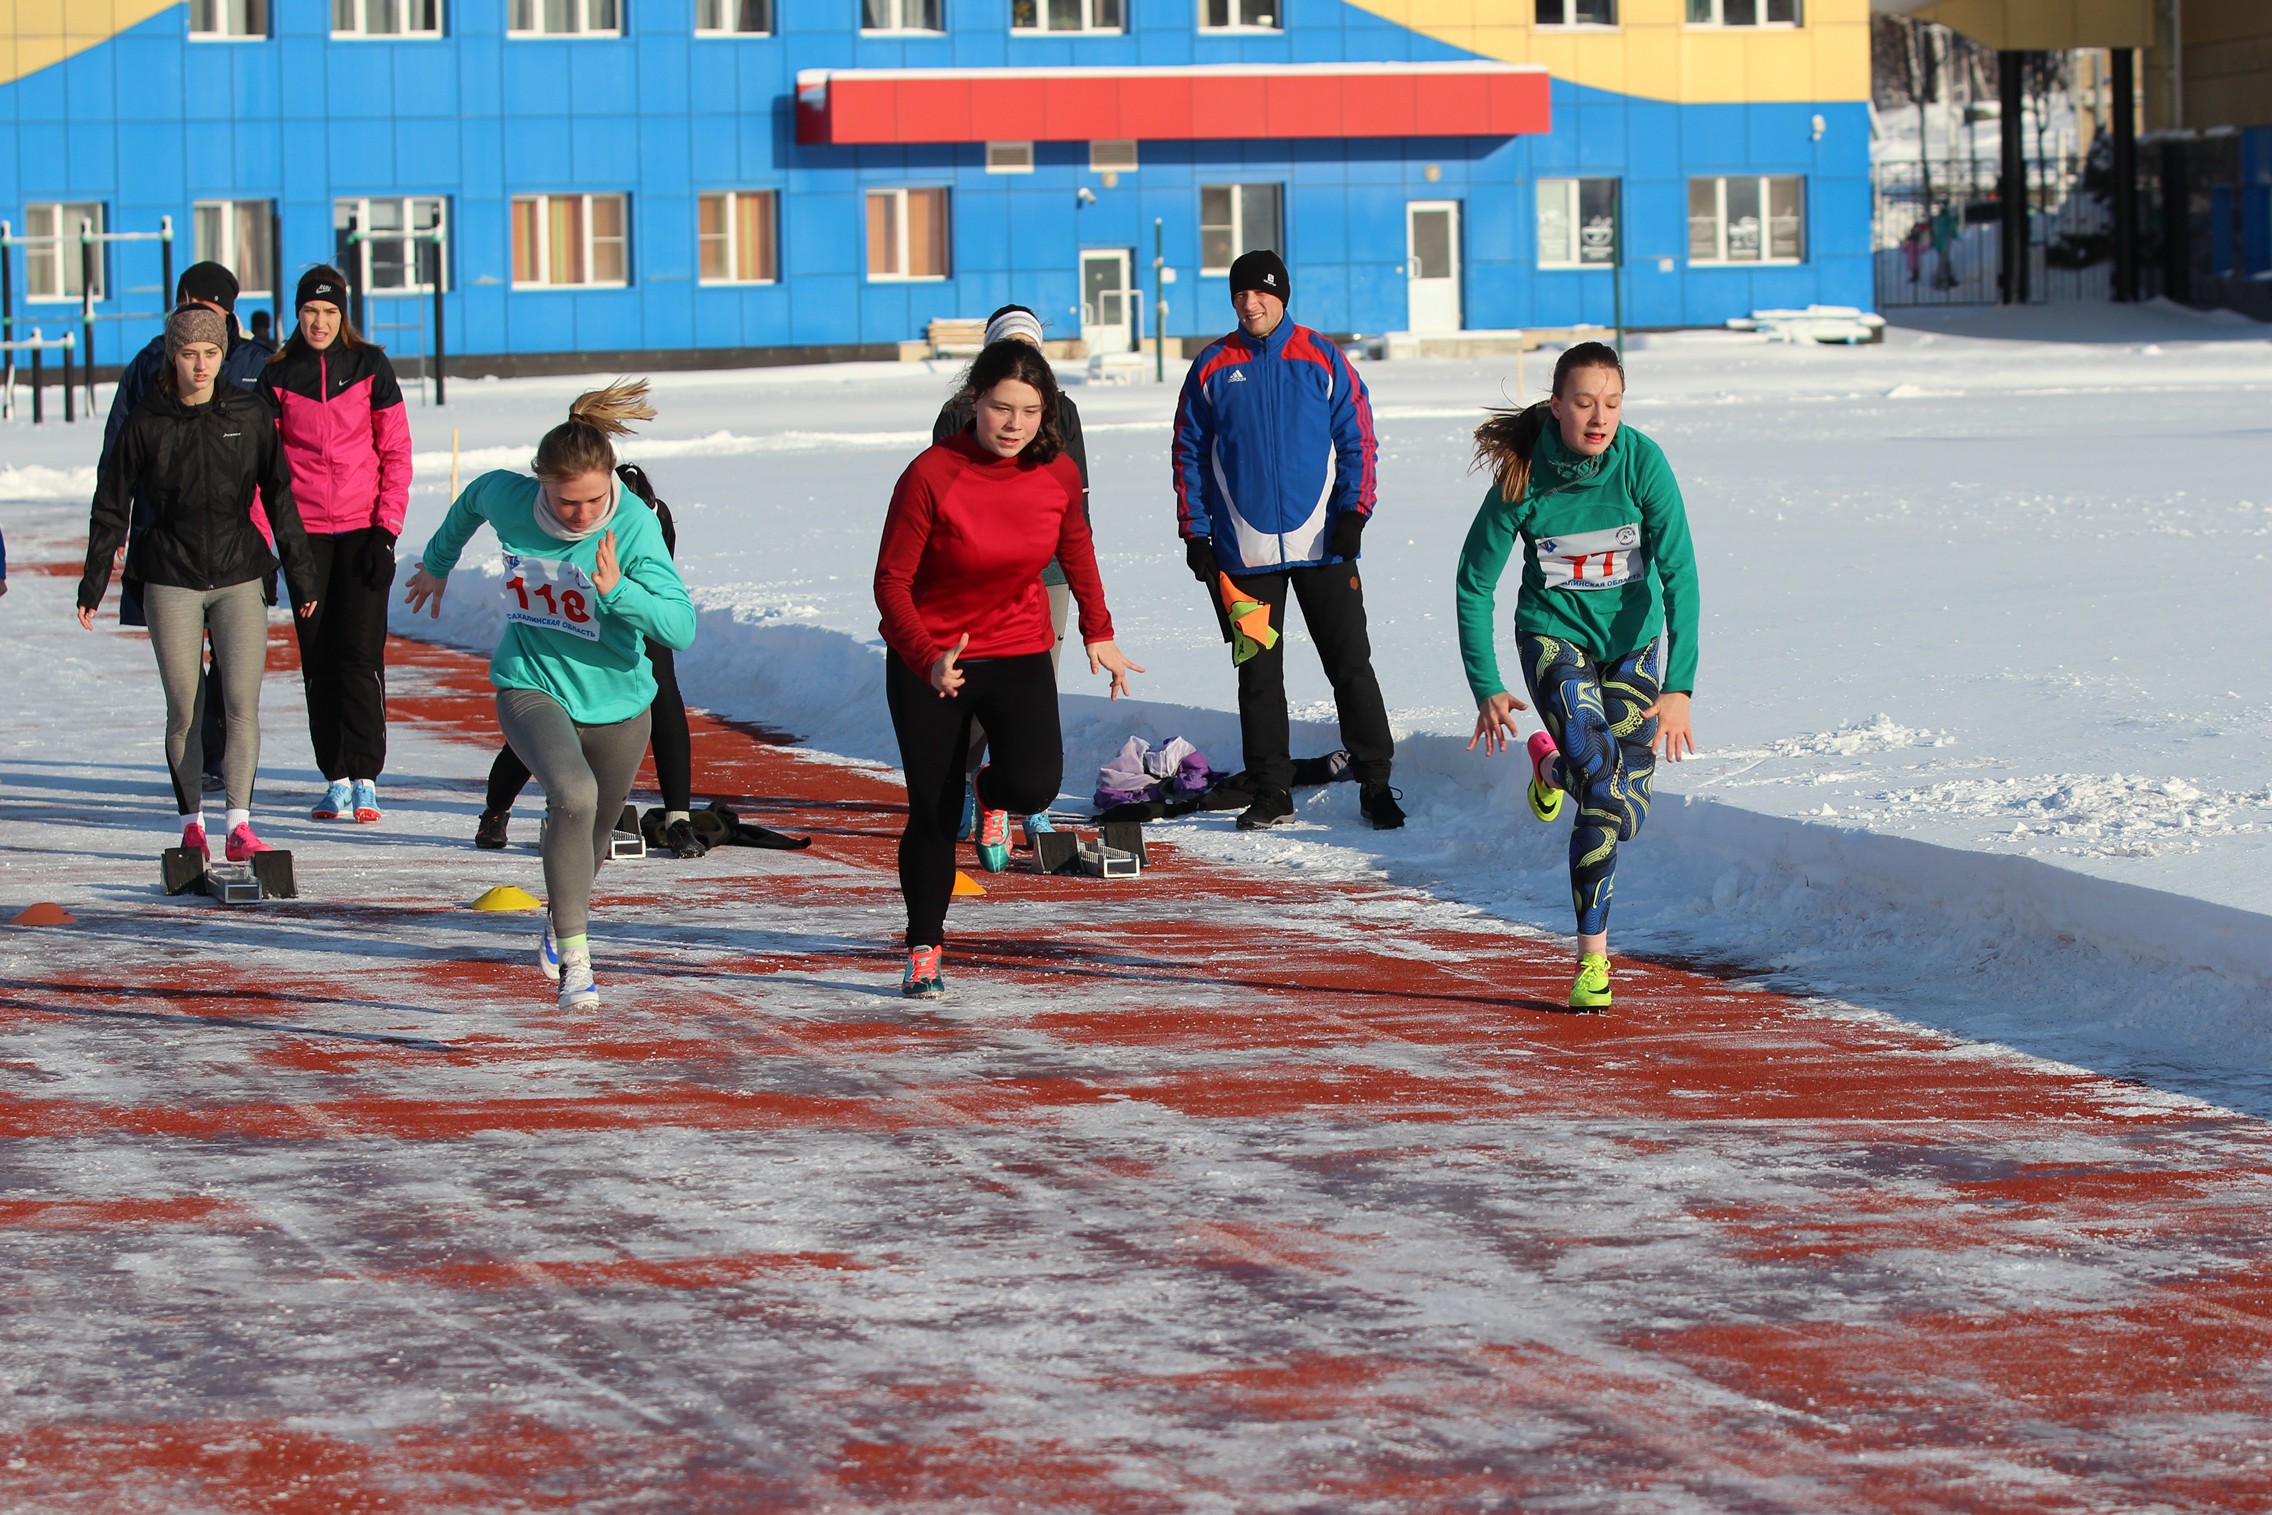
1238, 376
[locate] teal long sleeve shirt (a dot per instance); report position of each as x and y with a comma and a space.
1607, 561
562, 637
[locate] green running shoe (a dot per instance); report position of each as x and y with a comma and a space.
1590, 990
922, 980
1545, 799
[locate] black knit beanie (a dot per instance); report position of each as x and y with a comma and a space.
209, 282
1264, 270
324, 283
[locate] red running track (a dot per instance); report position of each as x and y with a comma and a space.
1213, 1192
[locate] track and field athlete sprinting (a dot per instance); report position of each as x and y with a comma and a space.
587, 581
347, 435
1608, 579
972, 523
200, 454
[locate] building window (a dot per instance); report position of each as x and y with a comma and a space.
565, 18
1577, 12
386, 18
1066, 16
1009, 157
901, 16
1240, 15
907, 234
51, 260
1235, 219
733, 18
231, 19
1112, 156
564, 241
393, 264
1743, 12
1747, 219
235, 234
737, 231
1577, 223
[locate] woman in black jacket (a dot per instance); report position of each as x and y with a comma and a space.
202, 458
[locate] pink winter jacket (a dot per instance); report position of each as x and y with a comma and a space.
345, 435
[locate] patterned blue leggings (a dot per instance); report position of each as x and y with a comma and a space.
1607, 763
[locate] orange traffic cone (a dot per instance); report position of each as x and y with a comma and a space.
45, 913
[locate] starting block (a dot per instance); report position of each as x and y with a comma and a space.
1118, 854
624, 841
268, 876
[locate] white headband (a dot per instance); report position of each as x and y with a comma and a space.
1014, 323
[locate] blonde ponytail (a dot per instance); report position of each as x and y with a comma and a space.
583, 443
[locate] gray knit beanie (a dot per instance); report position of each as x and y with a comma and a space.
196, 323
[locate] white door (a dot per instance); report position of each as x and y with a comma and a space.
1431, 268
1107, 317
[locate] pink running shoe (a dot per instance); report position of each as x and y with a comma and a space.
1545, 795
193, 840
243, 845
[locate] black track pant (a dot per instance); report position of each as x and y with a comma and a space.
674, 748
343, 649
1017, 699
1333, 608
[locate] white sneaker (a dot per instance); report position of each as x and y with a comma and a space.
548, 955
577, 991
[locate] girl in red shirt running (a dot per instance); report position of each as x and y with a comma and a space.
958, 578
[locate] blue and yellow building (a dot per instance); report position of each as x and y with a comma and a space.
749, 180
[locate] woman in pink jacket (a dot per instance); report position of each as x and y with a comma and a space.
340, 416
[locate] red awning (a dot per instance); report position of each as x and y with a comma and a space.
1210, 101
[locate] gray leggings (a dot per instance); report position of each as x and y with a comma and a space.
586, 772
237, 617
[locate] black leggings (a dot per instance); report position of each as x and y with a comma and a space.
1593, 712
1017, 699
673, 748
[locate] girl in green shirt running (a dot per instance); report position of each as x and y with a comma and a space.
1608, 579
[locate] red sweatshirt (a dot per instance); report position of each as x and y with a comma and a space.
964, 544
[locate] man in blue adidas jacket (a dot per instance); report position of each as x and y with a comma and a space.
1273, 486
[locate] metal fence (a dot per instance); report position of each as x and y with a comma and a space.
1938, 237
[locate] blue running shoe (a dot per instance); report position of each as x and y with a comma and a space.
338, 800
366, 801
969, 813
548, 955
1035, 826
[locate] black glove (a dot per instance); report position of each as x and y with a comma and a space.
1348, 530
376, 567
1199, 556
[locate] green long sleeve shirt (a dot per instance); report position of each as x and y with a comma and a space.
1607, 562
562, 637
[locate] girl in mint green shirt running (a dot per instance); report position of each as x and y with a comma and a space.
1608, 580
587, 581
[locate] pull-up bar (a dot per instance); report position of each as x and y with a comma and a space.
441, 241
89, 240
35, 344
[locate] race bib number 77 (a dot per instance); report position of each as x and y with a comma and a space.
1585, 560
551, 594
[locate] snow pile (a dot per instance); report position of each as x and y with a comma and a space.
33, 481
2116, 816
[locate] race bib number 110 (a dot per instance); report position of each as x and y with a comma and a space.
551, 594
1606, 559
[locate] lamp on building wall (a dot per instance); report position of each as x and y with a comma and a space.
1084, 196
1820, 126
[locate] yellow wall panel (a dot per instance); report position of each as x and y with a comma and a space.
1655, 54
2048, 23
42, 33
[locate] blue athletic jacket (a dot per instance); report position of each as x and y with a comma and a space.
1273, 442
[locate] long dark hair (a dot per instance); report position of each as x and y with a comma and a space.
1507, 441
1013, 359
348, 337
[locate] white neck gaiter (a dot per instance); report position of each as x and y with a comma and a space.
552, 526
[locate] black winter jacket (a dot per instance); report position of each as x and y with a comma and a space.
197, 469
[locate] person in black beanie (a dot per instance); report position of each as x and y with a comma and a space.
1274, 454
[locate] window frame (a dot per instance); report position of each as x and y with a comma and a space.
417, 284
732, 197
1087, 28
900, 28
1766, 184
267, 21
1238, 223
74, 211
1717, 21
230, 254
1573, 189
771, 28
1567, 25
900, 194
543, 259
1275, 27
362, 10
584, 7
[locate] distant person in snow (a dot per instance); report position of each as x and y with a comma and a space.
1608, 579
972, 522
1273, 455
201, 454
587, 582
347, 436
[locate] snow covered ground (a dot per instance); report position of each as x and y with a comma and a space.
1985, 724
